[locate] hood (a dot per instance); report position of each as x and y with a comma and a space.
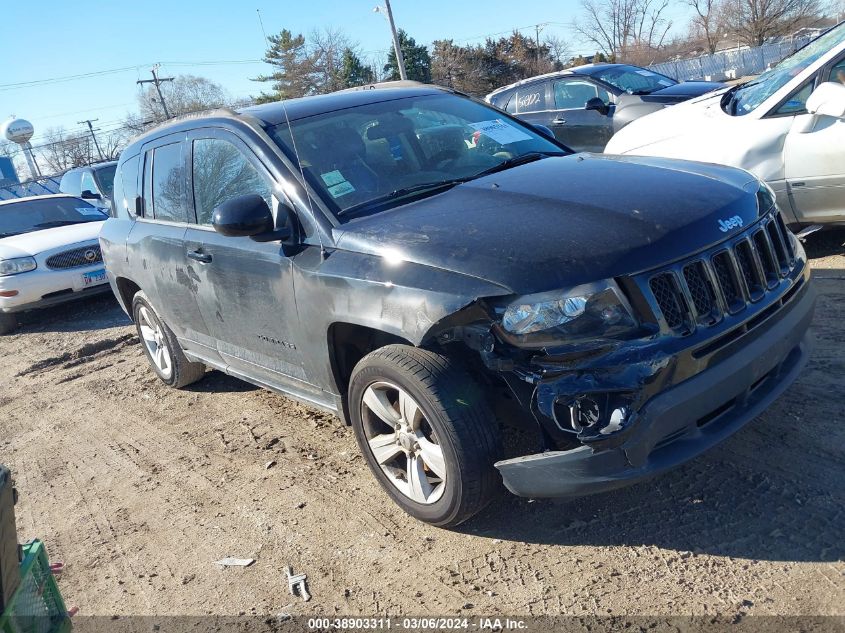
563, 221
684, 90
694, 117
35, 242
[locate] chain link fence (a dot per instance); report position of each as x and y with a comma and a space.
732, 63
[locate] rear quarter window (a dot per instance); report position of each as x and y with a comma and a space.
530, 99
126, 188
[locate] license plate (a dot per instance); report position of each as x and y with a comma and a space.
94, 277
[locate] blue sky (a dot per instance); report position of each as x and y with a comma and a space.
58, 38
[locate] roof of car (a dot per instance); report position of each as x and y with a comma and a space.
30, 198
585, 69
106, 163
274, 113
292, 109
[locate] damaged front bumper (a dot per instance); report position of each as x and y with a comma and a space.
680, 422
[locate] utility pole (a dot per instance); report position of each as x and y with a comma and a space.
91, 129
400, 61
537, 29
157, 81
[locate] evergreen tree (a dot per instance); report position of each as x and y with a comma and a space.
293, 74
417, 60
353, 72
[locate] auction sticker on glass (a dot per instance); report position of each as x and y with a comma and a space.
500, 131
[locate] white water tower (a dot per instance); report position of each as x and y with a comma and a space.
20, 131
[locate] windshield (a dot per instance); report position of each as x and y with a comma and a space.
27, 216
748, 97
633, 80
370, 157
105, 179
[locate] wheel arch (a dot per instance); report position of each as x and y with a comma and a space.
126, 289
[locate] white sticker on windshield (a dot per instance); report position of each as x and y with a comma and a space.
332, 178
645, 73
341, 189
88, 211
501, 132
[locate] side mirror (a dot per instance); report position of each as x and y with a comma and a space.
542, 129
828, 99
243, 216
598, 105
87, 194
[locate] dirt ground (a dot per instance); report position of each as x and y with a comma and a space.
139, 489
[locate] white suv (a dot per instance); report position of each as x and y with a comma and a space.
49, 254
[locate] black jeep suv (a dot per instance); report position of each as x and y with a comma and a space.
415, 260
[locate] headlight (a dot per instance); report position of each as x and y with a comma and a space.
17, 265
766, 198
586, 311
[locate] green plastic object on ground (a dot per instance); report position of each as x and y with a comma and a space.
37, 606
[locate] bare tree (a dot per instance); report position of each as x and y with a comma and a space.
327, 47
185, 94
755, 21
627, 30
706, 22
559, 51
62, 150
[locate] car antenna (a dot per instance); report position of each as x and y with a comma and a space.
304, 182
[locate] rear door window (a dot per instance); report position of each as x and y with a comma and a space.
222, 172
168, 183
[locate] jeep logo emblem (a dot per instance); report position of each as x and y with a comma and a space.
731, 223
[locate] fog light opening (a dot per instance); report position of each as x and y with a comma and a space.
585, 416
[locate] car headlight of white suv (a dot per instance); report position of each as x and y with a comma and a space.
17, 265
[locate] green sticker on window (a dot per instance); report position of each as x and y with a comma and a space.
341, 189
333, 178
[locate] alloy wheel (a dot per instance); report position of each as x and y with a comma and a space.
403, 442
153, 338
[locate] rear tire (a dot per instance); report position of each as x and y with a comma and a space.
8, 323
432, 429
161, 347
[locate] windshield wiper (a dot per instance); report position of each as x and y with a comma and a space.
522, 159
54, 223
403, 191
9, 233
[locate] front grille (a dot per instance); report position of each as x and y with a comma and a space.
85, 256
701, 290
669, 299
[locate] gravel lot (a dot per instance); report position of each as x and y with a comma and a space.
139, 489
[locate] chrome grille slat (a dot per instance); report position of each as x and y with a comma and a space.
699, 291
75, 258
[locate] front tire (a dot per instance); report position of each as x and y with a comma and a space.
426, 432
8, 323
161, 347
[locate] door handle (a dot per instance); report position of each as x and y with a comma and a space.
558, 121
199, 256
